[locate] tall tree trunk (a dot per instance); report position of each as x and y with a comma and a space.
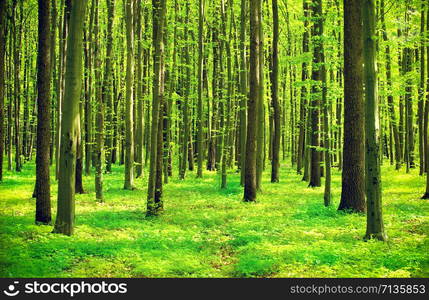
88, 99
17, 38
375, 227
303, 103
422, 92
260, 137
3, 9
243, 90
316, 76
200, 119
426, 114
100, 97
275, 163
53, 39
129, 120
253, 104
43, 192
154, 202
409, 116
139, 94
390, 100
353, 180
186, 100
70, 116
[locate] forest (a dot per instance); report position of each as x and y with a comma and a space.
222, 138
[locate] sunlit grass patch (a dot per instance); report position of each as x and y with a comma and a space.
209, 232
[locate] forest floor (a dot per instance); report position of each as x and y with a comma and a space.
208, 232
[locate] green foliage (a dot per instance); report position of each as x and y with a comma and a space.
208, 232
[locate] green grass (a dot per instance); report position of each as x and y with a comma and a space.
208, 232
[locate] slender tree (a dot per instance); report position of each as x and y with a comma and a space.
426, 113
253, 104
200, 88
375, 227
3, 9
139, 94
70, 116
316, 76
243, 89
390, 99
43, 194
129, 102
100, 102
154, 203
275, 162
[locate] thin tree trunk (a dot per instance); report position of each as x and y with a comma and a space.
43, 193
200, 121
275, 163
129, 120
422, 92
316, 76
3, 9
139, 94
426, 116
253, 104
375, 227
154, 202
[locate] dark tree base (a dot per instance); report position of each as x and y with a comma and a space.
425, 196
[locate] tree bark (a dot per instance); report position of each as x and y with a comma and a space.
353, 180
129, 101
200, 119
375, 227
70, 116
253, 104
43, 194
275, 162
154, 202
316, 77
3, 8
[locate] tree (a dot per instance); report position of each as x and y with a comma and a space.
100, 102
17, 40
185, 111
375, 226
3, 8
302, 149
390, 100
260, 134
426, 116
243, 89
275, 162
129, 102
316, 76
154, 203
422, 168
200, 88
353, 180
43, 187
139, 94
70, 116
253, 104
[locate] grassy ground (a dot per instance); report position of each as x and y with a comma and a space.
208, 232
